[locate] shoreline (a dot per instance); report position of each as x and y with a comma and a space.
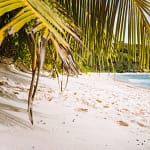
113, 76
94, 112
132, 83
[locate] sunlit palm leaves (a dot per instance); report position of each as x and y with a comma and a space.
106, 23
51, 23
51, 20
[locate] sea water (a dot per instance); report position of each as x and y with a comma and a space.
137, 78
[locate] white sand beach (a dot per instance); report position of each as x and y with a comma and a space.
94, 112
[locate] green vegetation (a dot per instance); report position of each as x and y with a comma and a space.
85, 33
101, 33
104, 25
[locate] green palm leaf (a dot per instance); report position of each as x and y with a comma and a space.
118, 19
51, 24
48, 16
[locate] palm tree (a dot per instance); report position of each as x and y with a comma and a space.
107, 23
45, 21
104, 24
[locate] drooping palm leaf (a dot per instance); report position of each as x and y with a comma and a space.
104, 24
51, 24
48, 15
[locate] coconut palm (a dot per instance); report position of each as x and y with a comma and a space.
49, 21
45, 21
104, 24
107, 23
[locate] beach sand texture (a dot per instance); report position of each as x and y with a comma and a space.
94, 112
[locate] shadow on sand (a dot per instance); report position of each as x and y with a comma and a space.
8, 119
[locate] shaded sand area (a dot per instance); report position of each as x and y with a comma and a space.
94, 112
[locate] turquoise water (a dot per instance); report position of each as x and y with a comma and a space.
138, 79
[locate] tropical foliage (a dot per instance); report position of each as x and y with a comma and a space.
49, 20
43, 21
106, 24
105, 27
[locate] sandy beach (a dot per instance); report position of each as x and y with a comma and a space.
94, 112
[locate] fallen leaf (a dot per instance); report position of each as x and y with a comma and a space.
83, 109
124, 109
99, 101
106, 106
122, 123
141, 124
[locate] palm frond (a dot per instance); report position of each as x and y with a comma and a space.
106, 23
48, 16
50, 24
